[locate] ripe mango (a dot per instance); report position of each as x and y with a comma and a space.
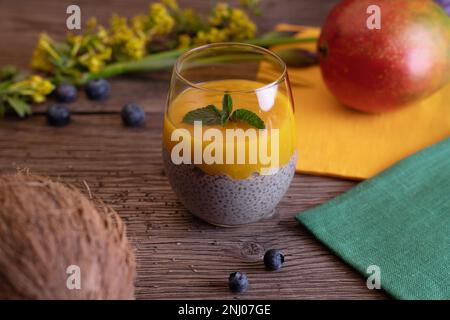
380, 69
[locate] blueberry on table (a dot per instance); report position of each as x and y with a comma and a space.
133, 115
97, 89
58, 115
238, 282
66, 92
273, 259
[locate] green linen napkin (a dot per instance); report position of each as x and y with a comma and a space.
398, 221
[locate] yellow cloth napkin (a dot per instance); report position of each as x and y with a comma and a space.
336, 141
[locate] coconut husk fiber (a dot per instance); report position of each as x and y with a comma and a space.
47, 226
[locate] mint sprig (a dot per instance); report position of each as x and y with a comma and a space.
211, 115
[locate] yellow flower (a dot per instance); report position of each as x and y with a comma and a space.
219, 14
129, 42
184, 41
34, 86
40, 88
40, 61
37, 98
104, 53
139, 22
46, 43
188, 22
44, 53
211, 36
135, 47
93, 49
95, 58
235, 23
119, 28
94, 64
240, 26
75, 39
161, 21
102, 34
41, 85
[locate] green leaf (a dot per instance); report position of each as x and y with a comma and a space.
20, 106
4, 87
8, 73
208, 115
227, 107
278, 34
298, 58
248, 116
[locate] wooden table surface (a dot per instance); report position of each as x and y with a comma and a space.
178, 256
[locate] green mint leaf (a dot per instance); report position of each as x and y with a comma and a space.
227, 107
20, 107
248, 116
208, 115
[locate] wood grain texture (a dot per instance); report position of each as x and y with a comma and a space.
178, 256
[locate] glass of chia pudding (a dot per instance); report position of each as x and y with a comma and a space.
229, 145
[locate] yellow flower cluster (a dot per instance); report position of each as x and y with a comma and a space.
160, 21
240, 26
228, 24
220, 14
44, 49
212, 35
35, 87
184, 41
89, 50
127, 41
165, 26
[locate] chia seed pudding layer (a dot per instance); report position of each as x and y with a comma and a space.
223, 201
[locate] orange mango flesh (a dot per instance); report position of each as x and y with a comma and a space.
245, 94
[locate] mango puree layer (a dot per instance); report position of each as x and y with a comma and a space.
269, 103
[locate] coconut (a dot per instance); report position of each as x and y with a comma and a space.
57, 244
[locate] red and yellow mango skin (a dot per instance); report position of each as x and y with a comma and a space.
375, 70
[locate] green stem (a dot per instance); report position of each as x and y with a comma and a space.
153, 62
268, 42
165, 60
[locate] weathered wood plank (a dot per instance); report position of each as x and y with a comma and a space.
178, 255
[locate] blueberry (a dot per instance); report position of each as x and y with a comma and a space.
97, 89
133, 115
238, 282
273, 259
58, 115
66, 93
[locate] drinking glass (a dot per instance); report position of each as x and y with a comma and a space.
229, 145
